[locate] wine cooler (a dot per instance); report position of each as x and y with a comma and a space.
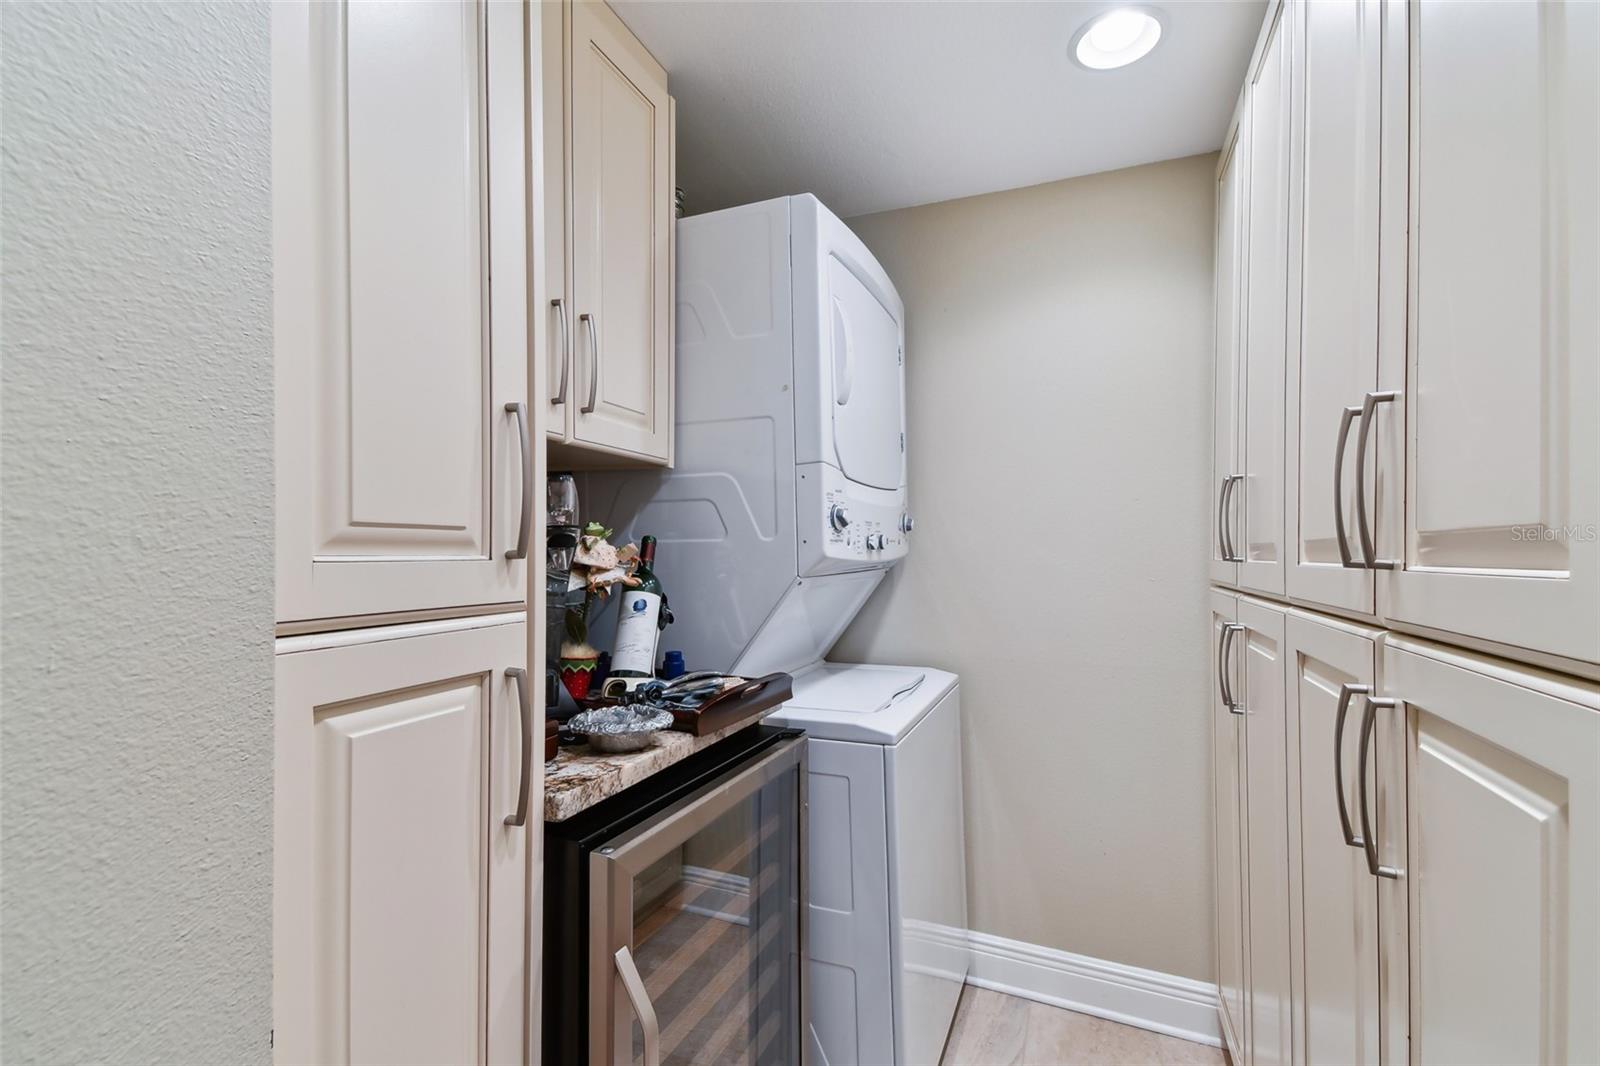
674, 914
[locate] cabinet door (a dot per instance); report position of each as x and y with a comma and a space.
1266, 319
553, 318
1337, 96
1331, 666
622, 213
1492, 452
398, 194
1270, 992
1228, 806
1502, 859
398, 889
1225, 367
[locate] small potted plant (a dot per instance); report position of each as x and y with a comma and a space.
599, 565
578, 657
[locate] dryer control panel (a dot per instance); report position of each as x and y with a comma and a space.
844, 525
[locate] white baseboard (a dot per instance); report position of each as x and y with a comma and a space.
1163, 1003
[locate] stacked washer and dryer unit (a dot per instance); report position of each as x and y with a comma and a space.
785, 508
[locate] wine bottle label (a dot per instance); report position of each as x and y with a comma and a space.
637, 633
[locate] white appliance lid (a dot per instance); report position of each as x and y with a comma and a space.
861, 703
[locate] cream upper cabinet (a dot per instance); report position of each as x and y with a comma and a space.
399, 930
400, 288
1228, 808
1336, 75
1226, 368
1499, 848
611, 370
552, 318
1486, 420
1268, 237
1340, 905
1269, 991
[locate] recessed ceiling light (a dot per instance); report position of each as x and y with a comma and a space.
1116, 38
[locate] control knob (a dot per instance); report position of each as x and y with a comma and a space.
838, 517
875, 541
907, 523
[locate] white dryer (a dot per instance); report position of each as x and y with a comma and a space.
785, 506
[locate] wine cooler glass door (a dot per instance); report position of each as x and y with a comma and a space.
697, 951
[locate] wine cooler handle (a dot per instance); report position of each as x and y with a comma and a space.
525, 706
1369, 841
633, 984
1368, 553
525, 522
1346, 560
564, 353
1345, 692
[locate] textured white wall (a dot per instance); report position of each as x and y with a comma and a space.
136, 856
1058, 376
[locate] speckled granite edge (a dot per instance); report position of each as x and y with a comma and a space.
580, 778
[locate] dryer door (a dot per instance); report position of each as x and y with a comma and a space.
868, 383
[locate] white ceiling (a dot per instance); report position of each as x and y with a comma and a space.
875, 105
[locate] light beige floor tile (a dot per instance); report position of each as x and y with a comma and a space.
994, 1029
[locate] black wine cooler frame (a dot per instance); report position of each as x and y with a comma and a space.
723, 946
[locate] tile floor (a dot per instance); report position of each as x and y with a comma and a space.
994, 1029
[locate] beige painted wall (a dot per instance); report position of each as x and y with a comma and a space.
1058, 378
136, 472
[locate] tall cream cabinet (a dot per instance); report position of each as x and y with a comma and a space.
1250, 784
1406, 713
1489, 450
1351, 955
1426, 420
1267, 241
1334, 363
401, 844
1228, 369
1497, 847
409, 469
404, 459
608, 166
1229, 814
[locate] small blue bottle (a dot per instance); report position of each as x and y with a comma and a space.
672, 666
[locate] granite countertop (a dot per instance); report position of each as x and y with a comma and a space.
580, 778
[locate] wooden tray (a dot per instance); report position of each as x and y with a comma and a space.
749, 700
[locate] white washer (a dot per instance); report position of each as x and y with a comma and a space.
785, 506
888, 898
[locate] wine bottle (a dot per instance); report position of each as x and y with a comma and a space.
639, 619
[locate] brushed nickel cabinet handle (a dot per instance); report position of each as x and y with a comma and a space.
525, 522
1368, 406
1345, 692
525, 706
1229, 553
594, 362
564, 352
633, 984
1224, 645
1345, 558
1368, 840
